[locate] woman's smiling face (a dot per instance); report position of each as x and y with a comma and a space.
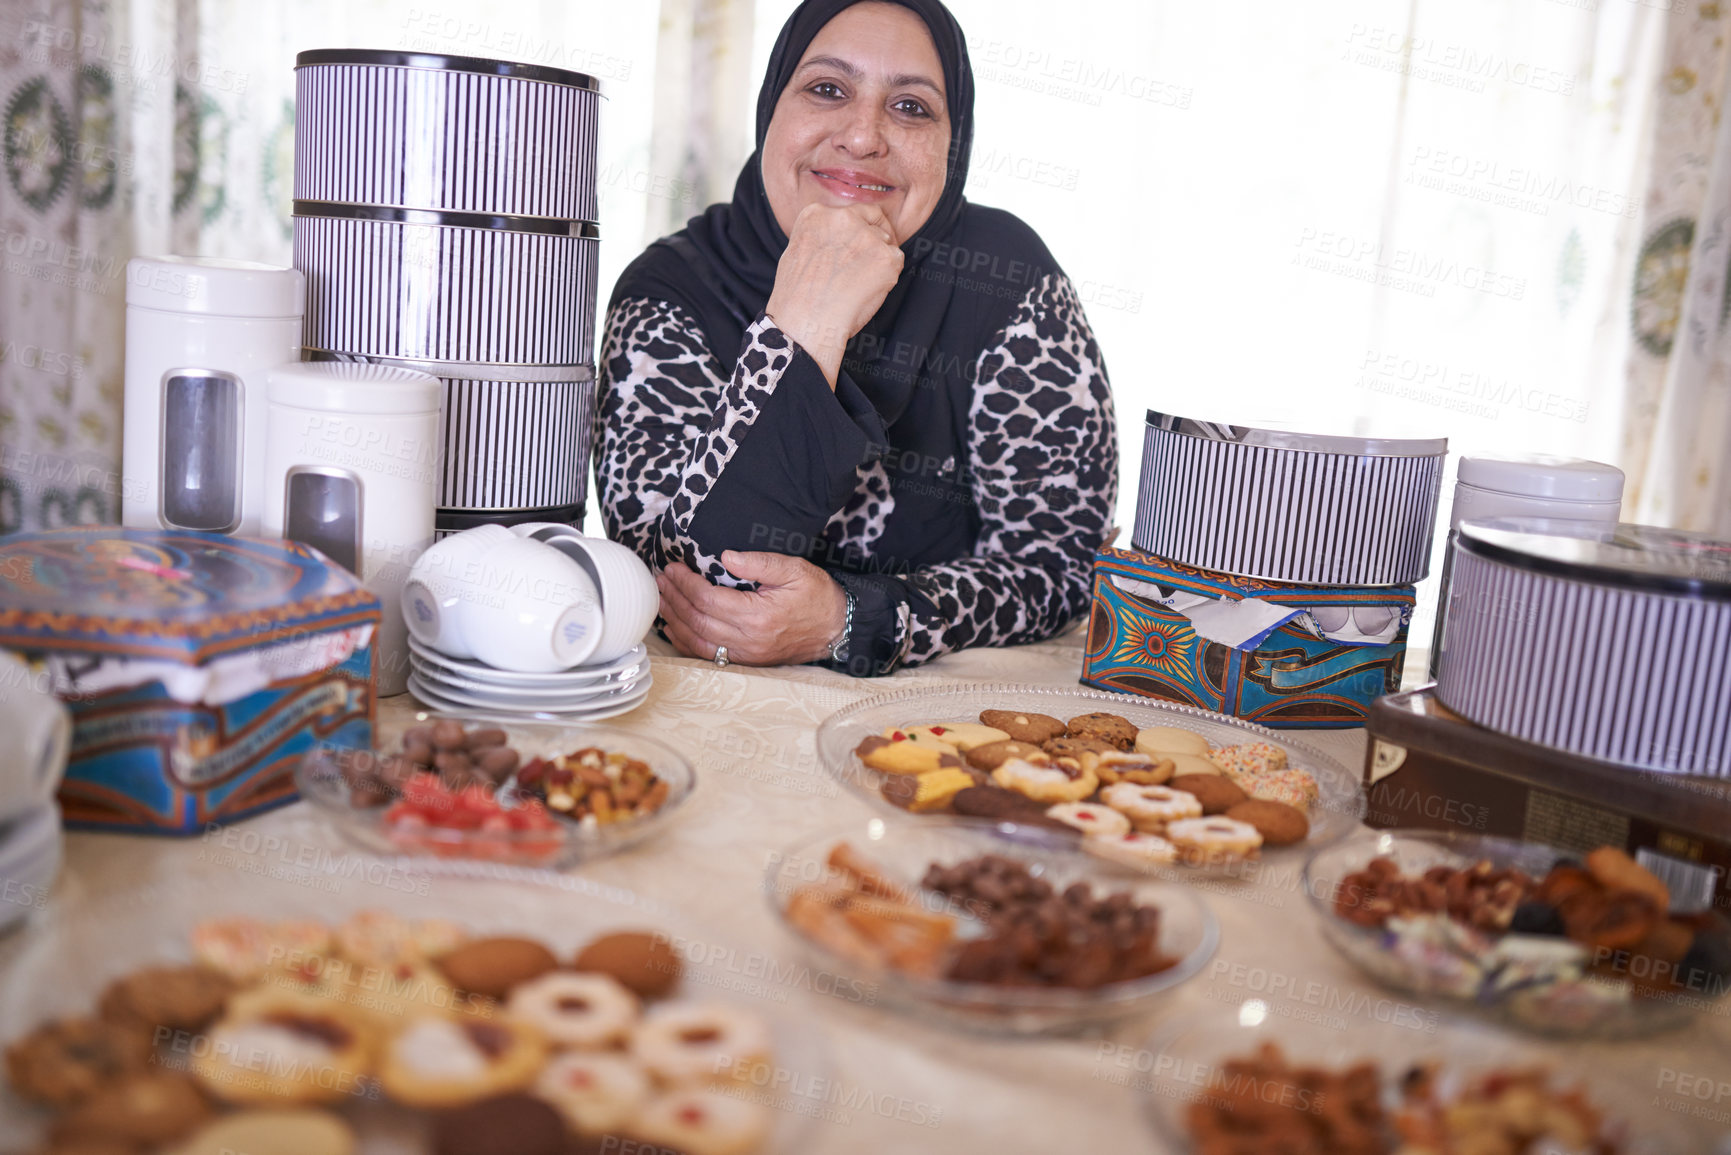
863, 121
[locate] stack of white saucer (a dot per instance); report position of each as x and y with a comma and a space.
534, 619
37, 731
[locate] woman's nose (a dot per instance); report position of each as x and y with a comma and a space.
862, 132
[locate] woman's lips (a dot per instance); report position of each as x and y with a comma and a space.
851, 186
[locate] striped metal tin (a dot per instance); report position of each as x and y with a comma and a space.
414, 130
441, 286
1288, 507
1610, 642
511, 440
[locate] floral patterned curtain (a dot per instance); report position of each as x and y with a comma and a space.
1677, 439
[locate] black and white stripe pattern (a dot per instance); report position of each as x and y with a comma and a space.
1623, 675
1311, 518
437, 138
429, 293
516, 445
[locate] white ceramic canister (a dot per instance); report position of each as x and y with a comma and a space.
1524, 485
352, 468
200, 334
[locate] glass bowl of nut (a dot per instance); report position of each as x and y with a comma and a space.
522, 792
1561, 943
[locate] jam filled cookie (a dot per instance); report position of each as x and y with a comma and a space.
142, 1110
1170, 740
1117, 766
994, 754
643, 962
1023, 727
1105, 727
1150, 808
492, 966
280, 1047
963, 736
68, 1060
179, 998
905, 754
1216, 792
1090, 817
1212, 840
699, 1121
303, 1131
699, 1042
1278, 823
596, 1092
1136, 849
436, 1062
393, 994
589, 1011
1063, 780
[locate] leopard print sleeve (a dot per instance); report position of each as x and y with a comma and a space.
672, 423
1044, 453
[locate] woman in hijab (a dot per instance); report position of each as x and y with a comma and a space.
849, 417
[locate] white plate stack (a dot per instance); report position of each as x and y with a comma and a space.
444, 217
536, 619
38, 734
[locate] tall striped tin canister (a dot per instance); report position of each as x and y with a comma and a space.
1610, 642
1288, 507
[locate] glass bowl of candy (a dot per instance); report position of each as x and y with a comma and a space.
507, 790
1577, 946
986, 927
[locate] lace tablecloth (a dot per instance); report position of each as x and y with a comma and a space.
896, 1084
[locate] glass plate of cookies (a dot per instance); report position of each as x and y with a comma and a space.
523, 792
1252, 1076
489, 1010
987, 927
1153, 787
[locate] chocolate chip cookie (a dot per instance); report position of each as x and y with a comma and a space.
1022, 726
66, 1061
1108, 728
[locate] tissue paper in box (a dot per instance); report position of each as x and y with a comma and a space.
198, 667
1282, 655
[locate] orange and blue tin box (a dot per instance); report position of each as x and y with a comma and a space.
198, 667
1283, 655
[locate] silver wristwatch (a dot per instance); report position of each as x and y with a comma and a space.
838, 648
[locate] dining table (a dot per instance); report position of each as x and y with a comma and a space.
891, 1081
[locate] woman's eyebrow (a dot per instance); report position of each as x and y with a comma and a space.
847, 69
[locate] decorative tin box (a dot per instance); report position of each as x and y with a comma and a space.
1287, 506
1608, 642
198, 667
1300, 657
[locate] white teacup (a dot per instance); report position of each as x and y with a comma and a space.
531, 609
437, 583
37, 732
629, 598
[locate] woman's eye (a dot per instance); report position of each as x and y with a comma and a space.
827, 90
911, 108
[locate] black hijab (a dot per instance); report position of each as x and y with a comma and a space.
963, 273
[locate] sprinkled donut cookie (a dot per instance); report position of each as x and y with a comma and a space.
1250, 757
588, 1011
1023, 726
699, 1042
1150, 808
1090, 817
1216, 839
1136, 848
1296, 788
1064, 780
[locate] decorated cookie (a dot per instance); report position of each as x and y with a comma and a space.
146, 1109
405, 990
243, 947
1278, 823
597, 1092
1104, 727
492, 966
377, 938
964, 736
179, 998
68, 1060
299, 1131
1135, 848
1121, 766
1296, 788
702, 1121
994, 754
1150, 808
933, 791
278, 1046
906, 754
439, 1062
1063, 780
1213, 840
1170, 740
1090, 817
588, 1011
644, 962
1250, 758
699, 1042
1216, 792
1023, 727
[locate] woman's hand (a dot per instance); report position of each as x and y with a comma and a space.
792, 617
839, 265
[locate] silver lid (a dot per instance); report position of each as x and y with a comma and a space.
1272, 436
1642, 557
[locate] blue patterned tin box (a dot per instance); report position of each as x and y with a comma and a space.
198, 667
1316, 657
